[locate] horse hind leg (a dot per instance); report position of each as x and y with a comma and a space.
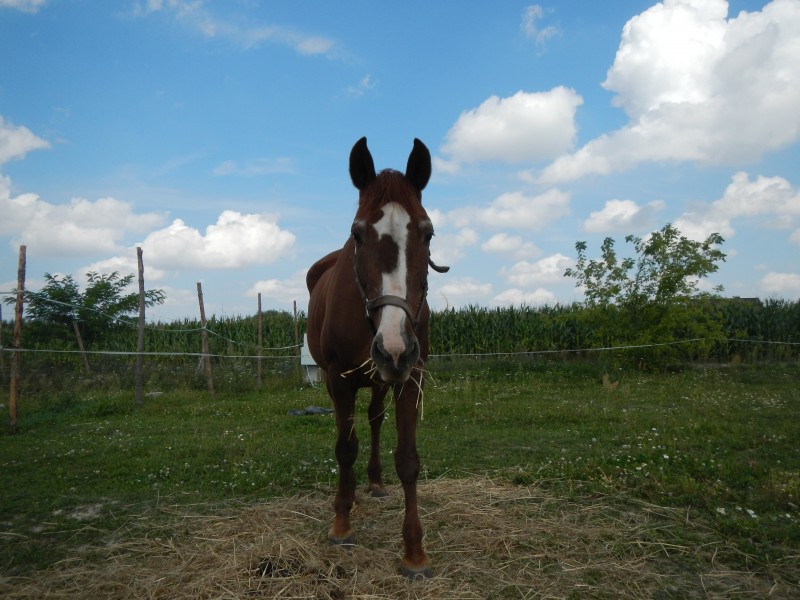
376, 414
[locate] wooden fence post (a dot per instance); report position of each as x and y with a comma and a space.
260, 340
204, 337
80, 347
296, 330
138, 375
16, 356
2, 360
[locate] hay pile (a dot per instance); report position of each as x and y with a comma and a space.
485, 540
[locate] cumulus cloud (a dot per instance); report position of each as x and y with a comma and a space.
16, 142
765, 195
524, 127
125, 264
515, 210
78, 228
781, 283
549, 269
773, 198
510, 245
281, 292
459, 292
698, 86
517, 297
235, 240
622, 216
448, 248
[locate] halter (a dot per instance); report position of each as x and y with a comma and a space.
391, 299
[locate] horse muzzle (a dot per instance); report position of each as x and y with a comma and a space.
395, 359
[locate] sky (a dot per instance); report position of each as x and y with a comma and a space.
215, 135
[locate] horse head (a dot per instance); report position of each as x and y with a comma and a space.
391, 237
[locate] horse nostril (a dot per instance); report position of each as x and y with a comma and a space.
398, 354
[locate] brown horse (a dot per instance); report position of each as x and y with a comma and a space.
368, 327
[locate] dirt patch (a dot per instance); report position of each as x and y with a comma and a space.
485, 540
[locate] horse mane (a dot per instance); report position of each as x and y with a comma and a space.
389, 186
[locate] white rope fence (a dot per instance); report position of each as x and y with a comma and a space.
432, 356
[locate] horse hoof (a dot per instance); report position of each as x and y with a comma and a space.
346, 542
414, 573
377, 492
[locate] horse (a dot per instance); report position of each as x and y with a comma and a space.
368, 327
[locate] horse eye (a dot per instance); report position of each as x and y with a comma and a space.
357, 232
428, 237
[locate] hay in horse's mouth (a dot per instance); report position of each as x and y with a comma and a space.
373, 370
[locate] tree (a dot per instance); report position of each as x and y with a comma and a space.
668, 267
655, 296
101, 306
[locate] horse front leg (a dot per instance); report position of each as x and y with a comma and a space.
344, 397
415, 562
376, 413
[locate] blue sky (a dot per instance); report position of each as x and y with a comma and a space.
215, 135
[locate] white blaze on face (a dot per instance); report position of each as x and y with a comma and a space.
394, 223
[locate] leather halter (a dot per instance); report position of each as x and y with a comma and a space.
391, 299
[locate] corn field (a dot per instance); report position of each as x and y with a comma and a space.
719, 330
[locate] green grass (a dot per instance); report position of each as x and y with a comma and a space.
720, 443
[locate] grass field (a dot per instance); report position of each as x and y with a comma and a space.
718, 446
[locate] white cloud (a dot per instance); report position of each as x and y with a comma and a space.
511, 245
30, 6
459, 292
80, 227
255, 167
546, 270
448, 248
698, 225
125, 265
515, 210
16, 142
530, 25
524, 127
366, 84
235, 240
698, 87
622, 216
196, 16
781, 283
517, 297
282, 292
772, 197
765, 195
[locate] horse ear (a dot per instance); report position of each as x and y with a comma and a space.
418, 169
362, 168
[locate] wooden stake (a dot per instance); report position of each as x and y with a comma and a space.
296, 330
138, 375
260, 340
2, 360
80, 347
16, 356
204, 337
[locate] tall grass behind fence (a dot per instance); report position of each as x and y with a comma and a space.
173, 351
746, 330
